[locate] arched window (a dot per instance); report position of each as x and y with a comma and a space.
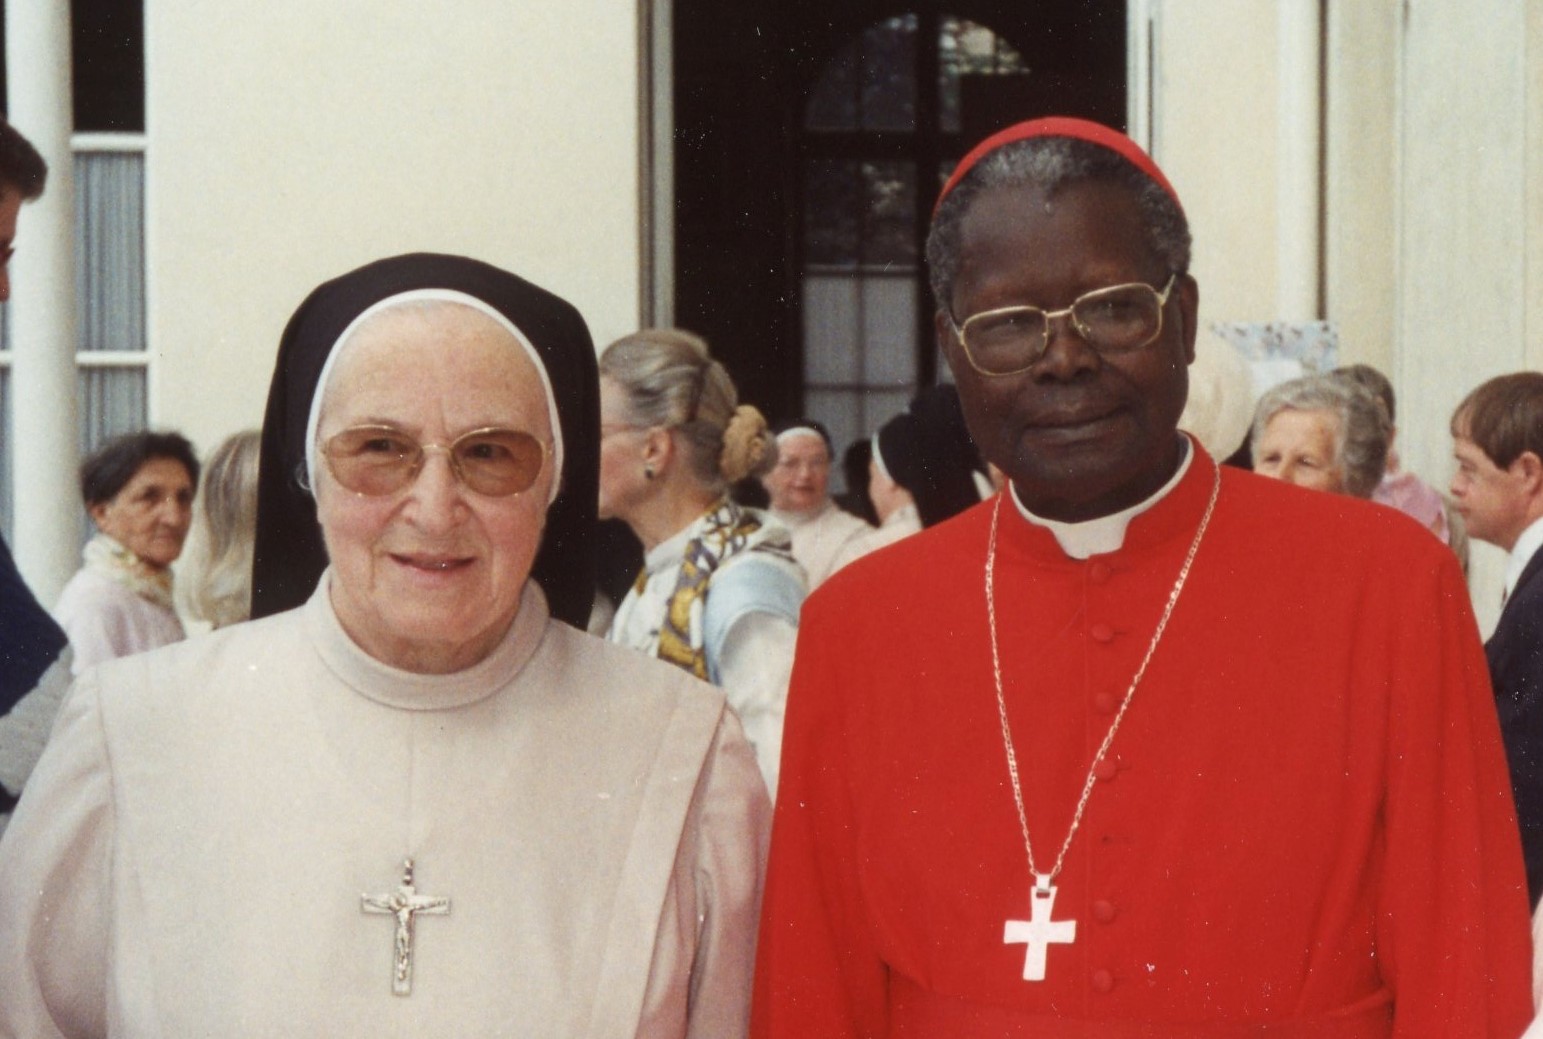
882, 126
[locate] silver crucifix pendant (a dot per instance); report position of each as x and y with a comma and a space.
1039, 932
405, 905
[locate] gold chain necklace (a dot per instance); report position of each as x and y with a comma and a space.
1040, 931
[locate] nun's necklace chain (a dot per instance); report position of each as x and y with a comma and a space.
404, 904
1040, 931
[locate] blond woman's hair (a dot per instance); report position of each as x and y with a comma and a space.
215, 585
671, 380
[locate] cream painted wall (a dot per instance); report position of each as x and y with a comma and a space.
1214, 134
289, 141
1360, 173
1463, 281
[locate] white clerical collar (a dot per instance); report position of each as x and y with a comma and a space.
1521, 554
1105, 533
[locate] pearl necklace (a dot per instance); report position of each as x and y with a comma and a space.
1040, 930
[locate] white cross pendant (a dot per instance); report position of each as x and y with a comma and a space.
1038, 932
405, 904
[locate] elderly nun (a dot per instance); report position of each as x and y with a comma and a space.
412, 801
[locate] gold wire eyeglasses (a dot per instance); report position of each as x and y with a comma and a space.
1111, 320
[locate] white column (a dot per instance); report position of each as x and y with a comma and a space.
45, 455
1140, 73
1298, 188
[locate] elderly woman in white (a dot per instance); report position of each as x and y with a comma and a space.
417, 804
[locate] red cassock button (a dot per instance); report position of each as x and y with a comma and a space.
1107, 769
1098, 571
1101, 632
1103, 981
1106, 703
1103, 911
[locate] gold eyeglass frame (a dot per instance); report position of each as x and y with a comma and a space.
448, 449
1066, 312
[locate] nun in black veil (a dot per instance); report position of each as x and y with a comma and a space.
409, 798
289, 553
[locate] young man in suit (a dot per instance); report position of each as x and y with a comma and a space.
1498, 441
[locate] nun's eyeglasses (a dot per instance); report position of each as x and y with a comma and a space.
1112, 321
380, 460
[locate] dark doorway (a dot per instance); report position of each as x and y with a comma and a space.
809, 146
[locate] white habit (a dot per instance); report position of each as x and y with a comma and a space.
190, 855
901, 523
820, 538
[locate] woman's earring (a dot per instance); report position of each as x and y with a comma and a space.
648, 472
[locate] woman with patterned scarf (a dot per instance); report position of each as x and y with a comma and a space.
719, 593
138, 489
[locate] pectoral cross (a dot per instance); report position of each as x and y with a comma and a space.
1039, 931
404, 905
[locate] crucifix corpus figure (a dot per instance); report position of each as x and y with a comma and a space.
406, 904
